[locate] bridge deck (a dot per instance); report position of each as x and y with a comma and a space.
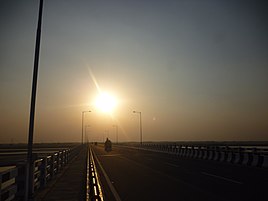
69, 184
138, 174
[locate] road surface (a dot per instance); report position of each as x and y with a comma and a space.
145, 175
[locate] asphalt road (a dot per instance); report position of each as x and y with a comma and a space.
144, 175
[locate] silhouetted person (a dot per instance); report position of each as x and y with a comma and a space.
108, 145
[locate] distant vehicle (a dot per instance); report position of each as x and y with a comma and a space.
108, 145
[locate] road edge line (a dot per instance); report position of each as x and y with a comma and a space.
223, 178
115, 194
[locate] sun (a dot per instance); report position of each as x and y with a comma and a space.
105, 102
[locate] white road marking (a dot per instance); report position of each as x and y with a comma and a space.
223, 178
109, 155
171, 164
116, 195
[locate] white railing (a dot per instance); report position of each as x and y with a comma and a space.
8, 187
46, 167
250, 156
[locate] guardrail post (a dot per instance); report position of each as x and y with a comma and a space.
54, 164
200, 152
63, 157
265, 161
217, 154
176, 150
195, 152
37, 174
211, 153
44, 172
20, 180
205, 154
228, 155
66, 156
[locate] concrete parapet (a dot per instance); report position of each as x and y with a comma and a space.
230, 154
196, 152
217, 155
265, 161
223, 156
238, 157
200, 153
8, 187
205, 154
255, 160
246, 158
211, 154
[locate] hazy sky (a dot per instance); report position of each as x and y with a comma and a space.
197, 70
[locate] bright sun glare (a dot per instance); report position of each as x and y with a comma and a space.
105, 102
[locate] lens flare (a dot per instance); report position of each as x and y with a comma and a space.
105, 102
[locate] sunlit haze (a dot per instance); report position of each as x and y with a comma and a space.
196, 70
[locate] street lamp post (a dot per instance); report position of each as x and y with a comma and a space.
83, 112
29, 168
140, 126
116, 127
87, 126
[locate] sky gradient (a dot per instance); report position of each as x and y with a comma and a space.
197, 70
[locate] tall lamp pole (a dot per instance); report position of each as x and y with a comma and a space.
87, 126
29, 173
140, 126
83, 114
116, 127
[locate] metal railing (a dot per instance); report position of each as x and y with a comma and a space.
94, 191
46, 167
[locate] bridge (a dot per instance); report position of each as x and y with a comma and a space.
153, 171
